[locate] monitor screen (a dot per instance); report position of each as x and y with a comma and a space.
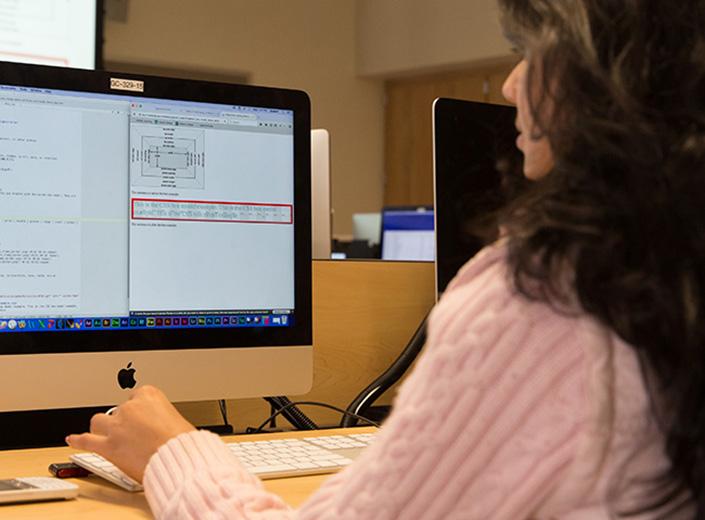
367, 227
477, 169
407, 233
60, 33
154, 230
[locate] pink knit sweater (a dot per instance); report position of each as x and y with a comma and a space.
513, 412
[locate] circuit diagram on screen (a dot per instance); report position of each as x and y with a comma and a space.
167, 158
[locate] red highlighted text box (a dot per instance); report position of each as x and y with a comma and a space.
202, 211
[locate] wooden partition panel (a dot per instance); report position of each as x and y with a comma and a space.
408, 131
364, 314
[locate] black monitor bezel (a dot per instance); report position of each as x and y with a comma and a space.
468, 137
300, 333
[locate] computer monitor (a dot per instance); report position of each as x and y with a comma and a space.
320, 193
154, 230
477, 169
407, 233
60, 33
367, 227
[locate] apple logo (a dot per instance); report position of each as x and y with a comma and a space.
126, 377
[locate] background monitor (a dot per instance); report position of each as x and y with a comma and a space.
61, 33
367, 227
153, 228
477, 169
320, 193
407, 233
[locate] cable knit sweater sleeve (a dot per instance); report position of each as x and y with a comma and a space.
505, 416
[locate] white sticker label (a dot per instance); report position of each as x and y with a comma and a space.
127, 84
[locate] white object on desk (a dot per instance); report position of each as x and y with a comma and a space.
33, 489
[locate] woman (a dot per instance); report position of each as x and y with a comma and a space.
564, 373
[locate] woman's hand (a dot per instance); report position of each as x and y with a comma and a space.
134, 431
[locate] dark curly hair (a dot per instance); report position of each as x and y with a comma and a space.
624, 207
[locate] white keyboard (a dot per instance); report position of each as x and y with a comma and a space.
266, 459
307, 456
101, 467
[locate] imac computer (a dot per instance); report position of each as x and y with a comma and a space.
407, 233
321, 215
477, 169
60, 33
152, 231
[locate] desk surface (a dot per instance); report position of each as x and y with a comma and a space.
99, 499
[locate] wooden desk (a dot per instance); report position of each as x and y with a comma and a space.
100, 499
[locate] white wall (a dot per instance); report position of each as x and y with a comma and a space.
411, 36
300, 44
